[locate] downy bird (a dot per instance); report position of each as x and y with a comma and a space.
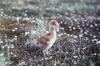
47, 40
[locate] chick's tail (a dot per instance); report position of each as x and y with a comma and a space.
31, 46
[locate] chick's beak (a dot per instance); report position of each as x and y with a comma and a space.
57, 24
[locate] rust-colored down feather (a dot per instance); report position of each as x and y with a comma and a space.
43, 41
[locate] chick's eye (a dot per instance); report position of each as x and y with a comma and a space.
53, 23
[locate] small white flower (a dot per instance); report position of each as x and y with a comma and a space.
96, 24
13, 30
75, 56
80, 35
16, 28
75, 36
98, 42
1, 41
74, 28
91, 25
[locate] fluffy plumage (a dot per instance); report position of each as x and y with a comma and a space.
46, 41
